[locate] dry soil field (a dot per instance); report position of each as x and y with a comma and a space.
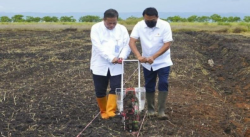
46, 87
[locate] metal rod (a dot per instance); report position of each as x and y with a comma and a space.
130, 60
139, 83
139, 74
122, 86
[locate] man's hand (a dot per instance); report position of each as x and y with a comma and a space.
115, 60
142, 59
150, 60
120, 61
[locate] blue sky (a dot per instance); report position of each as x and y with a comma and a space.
63, 6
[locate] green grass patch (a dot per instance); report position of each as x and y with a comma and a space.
240, 27
225, 23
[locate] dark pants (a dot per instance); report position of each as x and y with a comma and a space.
150, 79
101, 84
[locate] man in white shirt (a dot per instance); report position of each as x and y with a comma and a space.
109, 46
155, 37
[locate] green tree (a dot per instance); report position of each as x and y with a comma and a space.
50, 19
17, 18
224, 19
47, 19
215, 18
54, 19
203, 19
230, 19
37, 19
193, 18
169, 19
67, 19
5, 19
176, 19
237, 19
233, 19
32, 19
247, 19
133, 20
89, 18
120, 19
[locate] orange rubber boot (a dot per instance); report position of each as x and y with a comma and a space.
102, 102
111, 105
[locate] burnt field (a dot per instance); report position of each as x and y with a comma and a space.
46, 87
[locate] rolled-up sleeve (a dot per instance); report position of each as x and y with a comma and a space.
135, 34
167, 33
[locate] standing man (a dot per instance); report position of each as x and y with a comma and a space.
109, 46
155, 37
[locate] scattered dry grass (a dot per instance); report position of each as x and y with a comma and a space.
48, 88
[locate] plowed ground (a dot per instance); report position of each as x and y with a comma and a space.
46, 87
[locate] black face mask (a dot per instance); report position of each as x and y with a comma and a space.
151, 23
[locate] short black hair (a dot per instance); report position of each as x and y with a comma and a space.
150, 11
110, 13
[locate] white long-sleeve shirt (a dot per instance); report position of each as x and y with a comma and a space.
106, 45
152, 39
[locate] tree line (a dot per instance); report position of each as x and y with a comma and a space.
90, 18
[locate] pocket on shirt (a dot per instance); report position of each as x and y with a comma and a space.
158, 39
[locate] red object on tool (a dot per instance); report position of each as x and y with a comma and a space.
119, 60
131, 110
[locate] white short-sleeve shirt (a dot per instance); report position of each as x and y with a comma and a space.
106, 45
152, 39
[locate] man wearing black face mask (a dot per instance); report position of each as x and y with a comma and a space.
150, 23
155, 37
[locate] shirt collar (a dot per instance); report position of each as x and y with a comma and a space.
157, 24
103, 26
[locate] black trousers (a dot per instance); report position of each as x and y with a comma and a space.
101, 84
